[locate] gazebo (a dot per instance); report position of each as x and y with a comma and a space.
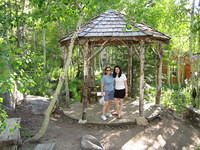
113, 28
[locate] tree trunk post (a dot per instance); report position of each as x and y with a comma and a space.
130, 69
90, 71
45, 122
86, 80
159, 74
142, 59
67, 96
169, 75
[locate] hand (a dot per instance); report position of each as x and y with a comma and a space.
102, 93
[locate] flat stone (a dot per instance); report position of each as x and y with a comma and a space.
141, 121
38, 104
89, 142
161, 141
46, 146
11, 135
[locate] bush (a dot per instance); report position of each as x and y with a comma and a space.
3, 116
174, 98
75, 88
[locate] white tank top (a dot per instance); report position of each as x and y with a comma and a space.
119, 82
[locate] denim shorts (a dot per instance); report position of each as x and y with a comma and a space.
109, 95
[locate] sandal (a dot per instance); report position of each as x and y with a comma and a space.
115, 114
119, 117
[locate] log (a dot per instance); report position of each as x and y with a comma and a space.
194, 111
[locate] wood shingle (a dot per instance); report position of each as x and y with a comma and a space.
113, 24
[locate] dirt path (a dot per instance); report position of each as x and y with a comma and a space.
174, 134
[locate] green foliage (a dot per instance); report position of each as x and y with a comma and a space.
3, 117
75, 88
28, 29
198, 148
172, 97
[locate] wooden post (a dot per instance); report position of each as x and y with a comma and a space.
169, 75
67, 96
90, 72
142, 59
86, 79
179, 70
159, 74
130, 70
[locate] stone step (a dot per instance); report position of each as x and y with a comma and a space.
46, 146
10, 137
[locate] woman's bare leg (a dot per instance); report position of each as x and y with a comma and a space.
108, 106
117, 107
105, 107
120, 107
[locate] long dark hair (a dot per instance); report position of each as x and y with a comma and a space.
115, 74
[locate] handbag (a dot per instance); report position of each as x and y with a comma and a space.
101, 101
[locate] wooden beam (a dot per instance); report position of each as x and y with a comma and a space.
130, 69
142, 59
98, 51
159, 73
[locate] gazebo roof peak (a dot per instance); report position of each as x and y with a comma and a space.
113, 25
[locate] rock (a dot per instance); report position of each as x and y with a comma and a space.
10, 137
154, 114
142, 121
89, 142
46, 146
38, 104
11, 99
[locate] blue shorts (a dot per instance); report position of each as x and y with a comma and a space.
109, 95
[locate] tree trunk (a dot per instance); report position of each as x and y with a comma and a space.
45, 123
67, 96
169, 75
159, 75
85, 84
135, 75
179, 71
191, 40
130, 70
142, 59
90, 72
44, 47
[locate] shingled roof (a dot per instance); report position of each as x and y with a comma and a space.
112, 24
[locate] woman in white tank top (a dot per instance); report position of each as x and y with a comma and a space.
121, 89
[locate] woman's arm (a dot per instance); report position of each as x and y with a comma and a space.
126, 87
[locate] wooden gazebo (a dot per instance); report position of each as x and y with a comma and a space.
112, 28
